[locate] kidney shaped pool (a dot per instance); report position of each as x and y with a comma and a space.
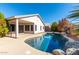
48, 42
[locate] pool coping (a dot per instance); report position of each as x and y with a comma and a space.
69, 39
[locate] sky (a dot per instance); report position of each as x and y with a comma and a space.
50, 12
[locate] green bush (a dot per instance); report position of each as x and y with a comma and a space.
3, 31
54, 26
3, 26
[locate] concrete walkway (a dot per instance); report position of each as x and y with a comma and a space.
17, 46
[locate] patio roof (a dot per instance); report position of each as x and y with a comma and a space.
24, 16
20, 21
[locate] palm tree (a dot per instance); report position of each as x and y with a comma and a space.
74, 14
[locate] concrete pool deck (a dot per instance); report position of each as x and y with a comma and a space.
12, 46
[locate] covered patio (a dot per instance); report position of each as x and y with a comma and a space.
21, 26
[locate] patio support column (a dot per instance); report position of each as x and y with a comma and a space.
29, 27
33, 28
17, 28
24, 28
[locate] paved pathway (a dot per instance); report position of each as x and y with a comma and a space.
17, 46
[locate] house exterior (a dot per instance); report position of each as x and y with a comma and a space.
26, 24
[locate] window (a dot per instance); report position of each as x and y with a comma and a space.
31, 27
35, 27
26, 27
40, 28
12, 27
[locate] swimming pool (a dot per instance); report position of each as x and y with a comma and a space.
48, 42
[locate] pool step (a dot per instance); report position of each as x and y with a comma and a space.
45, 43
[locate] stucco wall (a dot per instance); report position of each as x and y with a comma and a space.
36, 20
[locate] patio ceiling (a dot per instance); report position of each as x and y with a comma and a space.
20, 22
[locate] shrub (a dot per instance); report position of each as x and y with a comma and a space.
54, 26
3, 31
3, 26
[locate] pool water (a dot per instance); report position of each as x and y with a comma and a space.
48, 42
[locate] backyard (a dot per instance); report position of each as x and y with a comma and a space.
31, 38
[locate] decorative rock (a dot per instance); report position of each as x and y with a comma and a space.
74, 44
76, 52
70, 51
58, 52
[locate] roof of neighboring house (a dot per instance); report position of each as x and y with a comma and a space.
24, 16
47, 24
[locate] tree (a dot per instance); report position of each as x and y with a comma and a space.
3, 26
65, 26
74, 14
54, 26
